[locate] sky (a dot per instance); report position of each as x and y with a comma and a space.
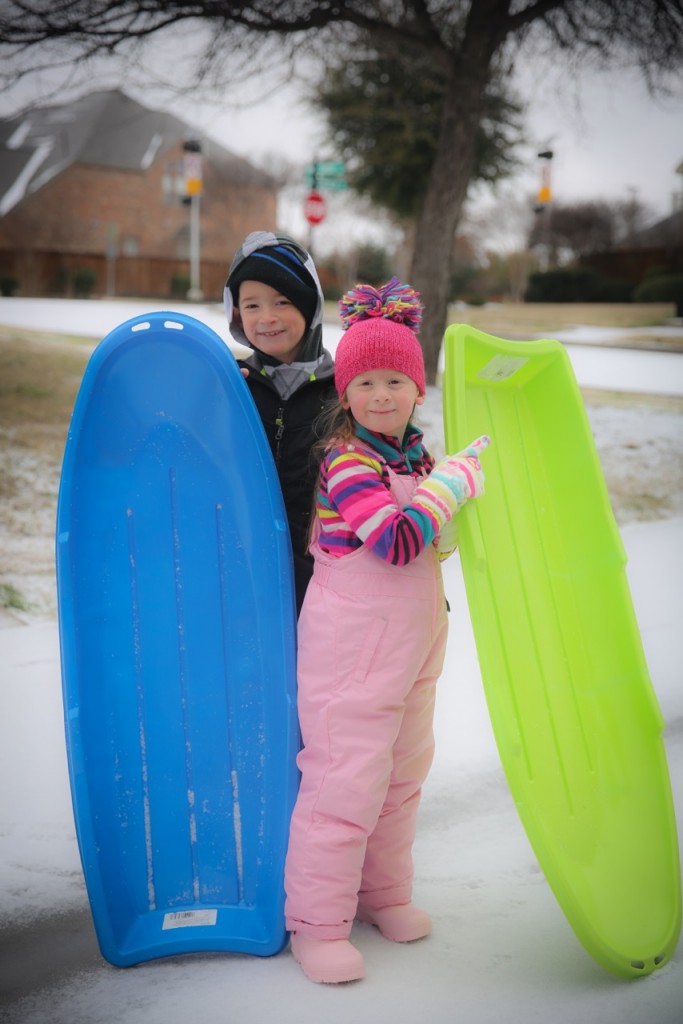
609, 137
619, 139
610, 140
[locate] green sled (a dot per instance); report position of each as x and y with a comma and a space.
576, 721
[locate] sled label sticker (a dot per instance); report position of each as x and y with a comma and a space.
189, 919
501, 367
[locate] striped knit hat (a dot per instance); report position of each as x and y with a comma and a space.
280, 267
381, 325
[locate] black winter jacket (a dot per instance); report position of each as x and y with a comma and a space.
290, 423
290, 426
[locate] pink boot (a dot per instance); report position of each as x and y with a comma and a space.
401, 923
327, 960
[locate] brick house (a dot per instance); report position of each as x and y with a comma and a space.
92, 192
659, 246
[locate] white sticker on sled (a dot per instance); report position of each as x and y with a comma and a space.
501, 367
189, 919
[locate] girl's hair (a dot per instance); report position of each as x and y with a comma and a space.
334, 426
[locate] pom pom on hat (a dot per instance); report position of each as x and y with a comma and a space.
394, 301
381, 325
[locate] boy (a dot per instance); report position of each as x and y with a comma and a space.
274, 304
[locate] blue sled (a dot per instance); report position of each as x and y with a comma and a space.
177, 628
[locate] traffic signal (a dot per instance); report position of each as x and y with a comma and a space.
192, 165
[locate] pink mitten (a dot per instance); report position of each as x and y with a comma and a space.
452, 481
466, 465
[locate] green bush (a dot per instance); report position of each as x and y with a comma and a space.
180, 286
462, 281
8, 284
660, 288
613, 289
84, 282
657, 270
576, 284
570, 285
373, 264
61, 280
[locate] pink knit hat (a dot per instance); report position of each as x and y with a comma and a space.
381, 326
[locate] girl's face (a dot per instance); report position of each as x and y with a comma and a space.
383, 401
271, 322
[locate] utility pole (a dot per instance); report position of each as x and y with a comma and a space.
543, 205
193, 191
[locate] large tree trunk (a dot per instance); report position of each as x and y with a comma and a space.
469, 74
440, 214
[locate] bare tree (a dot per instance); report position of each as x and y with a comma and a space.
472, 40
573, 230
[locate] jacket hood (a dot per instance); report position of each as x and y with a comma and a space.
312, 344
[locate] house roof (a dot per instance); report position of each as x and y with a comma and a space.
668, 231
106, 129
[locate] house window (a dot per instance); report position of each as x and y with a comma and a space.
172, 182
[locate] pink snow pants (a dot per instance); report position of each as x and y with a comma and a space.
372, 640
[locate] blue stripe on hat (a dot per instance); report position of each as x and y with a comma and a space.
278, 263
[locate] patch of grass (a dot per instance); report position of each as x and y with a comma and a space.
525, 319
625, 399
10, 597
40, 377
31, 391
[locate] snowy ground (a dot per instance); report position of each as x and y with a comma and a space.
501, 949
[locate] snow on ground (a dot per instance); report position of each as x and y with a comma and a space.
640, 445
501, 950
630, 371
91, 318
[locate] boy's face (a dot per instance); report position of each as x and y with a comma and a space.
271, 322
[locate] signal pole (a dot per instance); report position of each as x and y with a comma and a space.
193, 190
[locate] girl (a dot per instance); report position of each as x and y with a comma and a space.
372, 637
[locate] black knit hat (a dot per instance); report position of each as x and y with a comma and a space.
279, 267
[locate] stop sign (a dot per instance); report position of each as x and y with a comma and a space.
314, 208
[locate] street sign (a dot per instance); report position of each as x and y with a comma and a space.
329, 175
332, 184
327, 168
314, 208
